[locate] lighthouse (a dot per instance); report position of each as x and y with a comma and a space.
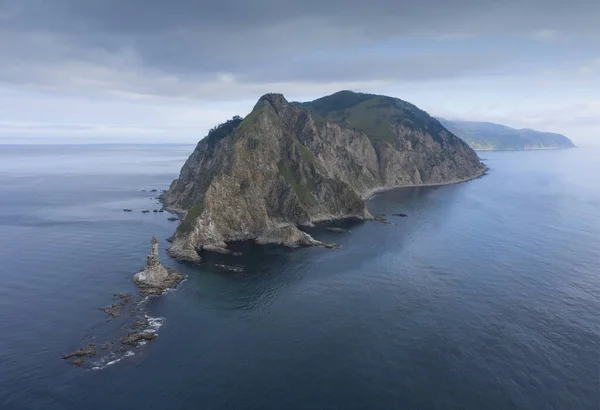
152, 258
154, 244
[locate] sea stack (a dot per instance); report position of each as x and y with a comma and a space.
154, 278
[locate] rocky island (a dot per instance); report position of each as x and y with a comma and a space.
288, 165
154, 278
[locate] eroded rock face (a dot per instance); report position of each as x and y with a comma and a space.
154, 279
286, 166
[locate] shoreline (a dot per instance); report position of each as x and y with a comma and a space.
372, 192
365, 197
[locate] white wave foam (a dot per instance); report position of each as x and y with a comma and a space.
154, 323
99, 365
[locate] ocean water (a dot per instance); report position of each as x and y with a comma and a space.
487, 296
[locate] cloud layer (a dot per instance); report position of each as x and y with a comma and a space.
153, 51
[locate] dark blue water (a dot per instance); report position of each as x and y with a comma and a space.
487, 296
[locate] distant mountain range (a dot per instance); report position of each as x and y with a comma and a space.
490, 136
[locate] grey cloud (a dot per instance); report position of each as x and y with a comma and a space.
179, 47
418, 67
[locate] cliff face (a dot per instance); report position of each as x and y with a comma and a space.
490, 136
286, 165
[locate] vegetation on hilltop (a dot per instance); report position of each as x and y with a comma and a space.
375, 115
220, 131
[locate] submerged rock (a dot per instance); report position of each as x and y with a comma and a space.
145, 211
401, 215
133, 338
114, 310
89, 350
140, 323
236, 269
339, 230
172, 219
127, 210
381, 220
216, 249
78, 362
154, 279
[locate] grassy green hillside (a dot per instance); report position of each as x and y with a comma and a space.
375, 115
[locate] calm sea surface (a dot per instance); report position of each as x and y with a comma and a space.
486, 297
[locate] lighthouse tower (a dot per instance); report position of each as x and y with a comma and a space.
152, 258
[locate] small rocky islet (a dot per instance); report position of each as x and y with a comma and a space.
153, 280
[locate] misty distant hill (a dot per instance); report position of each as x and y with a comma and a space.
490, 136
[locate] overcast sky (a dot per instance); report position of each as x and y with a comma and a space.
166, 71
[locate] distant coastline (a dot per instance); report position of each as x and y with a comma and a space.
487, 136
524, 149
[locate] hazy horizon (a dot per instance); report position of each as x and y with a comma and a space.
152, 72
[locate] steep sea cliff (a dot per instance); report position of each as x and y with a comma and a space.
288, 165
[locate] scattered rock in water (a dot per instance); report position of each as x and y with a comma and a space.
230, 268
331, 245
154, 190
381, 220
133, 338
334, 229
114, 310
236, 254
216, 249
127, 210
123, 296
154, 279
145, 211
172, 218
401, 215
155, 211
161, 210
140, 323
89, 350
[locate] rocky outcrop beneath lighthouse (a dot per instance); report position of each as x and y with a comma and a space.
155, 278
